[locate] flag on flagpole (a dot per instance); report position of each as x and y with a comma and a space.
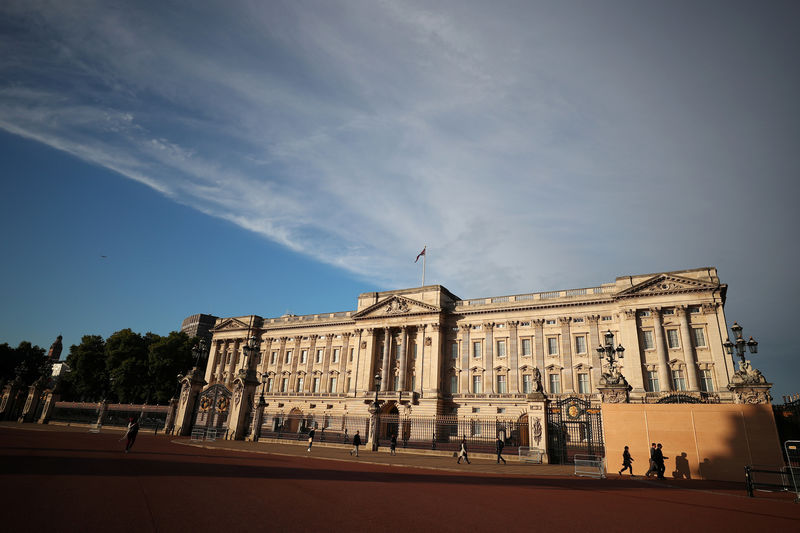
420, 254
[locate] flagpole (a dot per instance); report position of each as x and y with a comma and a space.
425, 248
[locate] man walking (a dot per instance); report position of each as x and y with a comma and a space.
462, 453
499, 445
133, 430
658, 458
310, 439
356, 444
393, 444
626, 462
652, 466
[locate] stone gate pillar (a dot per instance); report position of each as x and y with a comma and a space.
50, 400
191, 385
244, 387
172, 411
31, 402
537, 423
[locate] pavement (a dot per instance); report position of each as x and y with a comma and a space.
60, 478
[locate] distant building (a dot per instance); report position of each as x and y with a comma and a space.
199, 326
60, 368
55, 350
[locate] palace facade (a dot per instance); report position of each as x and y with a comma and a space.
436, 354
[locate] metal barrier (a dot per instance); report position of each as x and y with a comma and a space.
95, 428
213, 433
769, 479
198, 434
530, 455
590, 466
791, 449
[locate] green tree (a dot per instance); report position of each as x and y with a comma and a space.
88, 377
126, 363
30, 360
168, 357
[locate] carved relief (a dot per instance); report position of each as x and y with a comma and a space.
537, 430
237, 393
396, 307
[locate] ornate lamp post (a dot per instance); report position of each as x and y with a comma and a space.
198, 350
608, 352
613, 386
262, 403
249, 350
747, 384
373, 412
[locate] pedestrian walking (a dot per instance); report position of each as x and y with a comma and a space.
310, 439
462, 452
356, 444
393, 444
659, 458
130, 434
498, 443
626, 462
652, 466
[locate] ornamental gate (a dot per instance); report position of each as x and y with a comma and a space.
212, 408
573, 427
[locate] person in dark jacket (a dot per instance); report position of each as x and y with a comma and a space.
498, 443
626, 462
652, 467
356, 444
133, 430
310, 439
462, 452
393, 444
658, 458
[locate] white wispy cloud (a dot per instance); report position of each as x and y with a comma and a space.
524, 146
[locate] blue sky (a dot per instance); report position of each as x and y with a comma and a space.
265, 157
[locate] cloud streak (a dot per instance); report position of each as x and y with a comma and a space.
526, 146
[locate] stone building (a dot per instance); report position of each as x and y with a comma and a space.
437, 354
199, 325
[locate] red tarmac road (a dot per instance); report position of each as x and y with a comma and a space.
75, 481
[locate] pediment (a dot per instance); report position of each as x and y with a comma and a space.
229, 324
397, 306
666, 284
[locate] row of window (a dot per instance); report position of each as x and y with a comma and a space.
679, 381
287, 357
554, 382
698, 336
316, 383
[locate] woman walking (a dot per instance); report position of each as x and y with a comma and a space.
626, 462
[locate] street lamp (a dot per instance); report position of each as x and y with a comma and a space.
249, 350
739, 345
377, 388
608, 352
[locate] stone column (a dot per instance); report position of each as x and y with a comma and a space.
433, 362
420, 364
688, 349
279, 368
232, 365
212, 360
464, 385
295, 362
344, 360
403, 358
664, 378
489, 356
312, 354
326, 362
513, 356
593, 344
49, 405
221, 369
538, 332
356, 368
387, 353
244, 388
566, 353
722, 361
633, 368
31, 402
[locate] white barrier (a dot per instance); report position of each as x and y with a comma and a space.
198, 434
530, 455
590, 466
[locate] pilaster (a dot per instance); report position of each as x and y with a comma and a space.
664, 378
513, 356
566, 353
688, 350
